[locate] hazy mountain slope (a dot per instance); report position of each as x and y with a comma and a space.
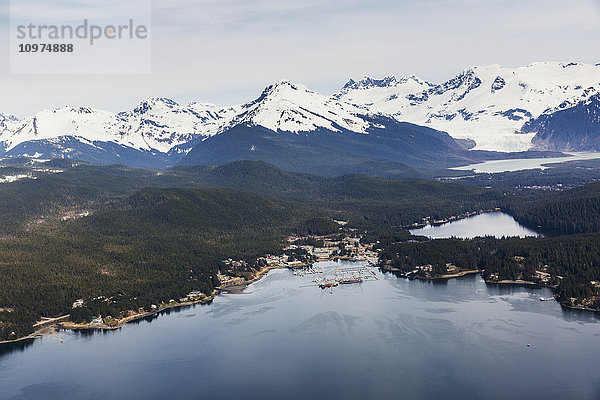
332, 153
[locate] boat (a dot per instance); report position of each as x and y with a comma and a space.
346, 281
546, 298
327, 284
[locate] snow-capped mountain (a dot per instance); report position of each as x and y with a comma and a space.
496, 108
487, 104
292, 107
569, 127
161, 124
293, 127
81, 122
156, 126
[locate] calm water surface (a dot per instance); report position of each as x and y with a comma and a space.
497, 224
524, 163
386, 339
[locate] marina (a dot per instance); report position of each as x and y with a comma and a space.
355, 274
346, 276
309, 270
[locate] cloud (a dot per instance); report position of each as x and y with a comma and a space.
226, 51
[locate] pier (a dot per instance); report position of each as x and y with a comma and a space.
310, 270
355, 275
345, 276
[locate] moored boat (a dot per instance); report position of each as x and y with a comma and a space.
350, 280
327, 284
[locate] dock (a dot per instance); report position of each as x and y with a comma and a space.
345, 276
310, 270
355, 275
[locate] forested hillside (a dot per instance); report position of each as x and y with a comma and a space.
74, 230
571, 262
156, 245
363, 199
572, 211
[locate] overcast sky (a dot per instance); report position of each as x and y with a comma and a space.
227, 51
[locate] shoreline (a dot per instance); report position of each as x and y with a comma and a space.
45, 328
578, 308
448, 276
519, 282
55, 327
402, 274
235, 289
39, 333
124, 321
68, 325
510, 282
466, 215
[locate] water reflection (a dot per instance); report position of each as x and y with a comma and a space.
19, 346
497, 224
283, 338
580, 316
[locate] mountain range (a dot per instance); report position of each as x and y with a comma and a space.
392, 123
488, 105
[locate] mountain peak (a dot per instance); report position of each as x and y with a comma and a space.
370, 82
284, 82
285, 86
291, 107
160, 100
150, 102
75, 110
487, 104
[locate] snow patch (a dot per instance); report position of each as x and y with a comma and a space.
14, 178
